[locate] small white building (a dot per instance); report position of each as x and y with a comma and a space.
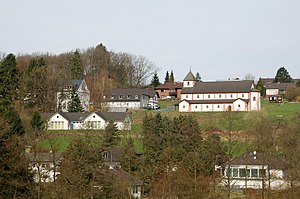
256, 170
237, 95
44, 166
94, 120
64, 94
130, 98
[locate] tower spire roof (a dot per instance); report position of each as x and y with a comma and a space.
190, 77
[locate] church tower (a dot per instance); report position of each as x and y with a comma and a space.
189, 80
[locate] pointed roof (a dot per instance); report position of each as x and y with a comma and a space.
190, 77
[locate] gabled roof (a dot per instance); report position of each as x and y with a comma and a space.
113, 116
170, 85
243, 86
190, 77
258, 158
74, 116
132, 91
114, 154
281, 86
217, 101
73, 82
43, 157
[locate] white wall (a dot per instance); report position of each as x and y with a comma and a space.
272, 91
183, 106
57, 122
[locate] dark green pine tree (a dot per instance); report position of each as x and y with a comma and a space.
36, 122
76, 66
130, 160
282, 76
155, 80
111, 136
8, 78
74, 105
198, 77
260, 87
171, 79
167, 78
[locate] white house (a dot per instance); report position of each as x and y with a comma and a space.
94, 120
63, 96
131, 98
255, 170
44, 166
237, 95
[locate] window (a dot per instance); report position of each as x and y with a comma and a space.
239, 106
188, 83
206, 106
186, 96
254, 173
235, 172
254, 98
162, 90
128, 96
120, 96
57, 116
106, 154
231, 96
183, 106
262, 172
208, 96
242, 95
198, 96
112, 97
218, 106
104, 97
136, 96
220, 96
196, 106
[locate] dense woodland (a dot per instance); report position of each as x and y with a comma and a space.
178, 157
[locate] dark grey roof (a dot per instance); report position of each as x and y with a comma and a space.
260, 159
281, 86
190, 77
74, 116
218, 101
114, 154
243, 86
132, 91
43, 157
73, 82
113, 116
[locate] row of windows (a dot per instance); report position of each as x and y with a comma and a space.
242, 173
122, 97
57, 125
220, 96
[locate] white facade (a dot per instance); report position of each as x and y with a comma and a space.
255, 176
58, 122
86, 121
218, 96
63, 97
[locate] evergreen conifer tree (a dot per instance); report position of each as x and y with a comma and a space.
198, 77
111, 136
282, 76
8, 78
76, 66
167, 78
155, 80
74, 105
171, 79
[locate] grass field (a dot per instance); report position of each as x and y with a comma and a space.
208, 122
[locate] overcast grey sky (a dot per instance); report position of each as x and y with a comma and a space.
217, 38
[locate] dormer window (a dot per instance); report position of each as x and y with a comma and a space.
136, 96
104, 97
120, 96
128, 96
112, 96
